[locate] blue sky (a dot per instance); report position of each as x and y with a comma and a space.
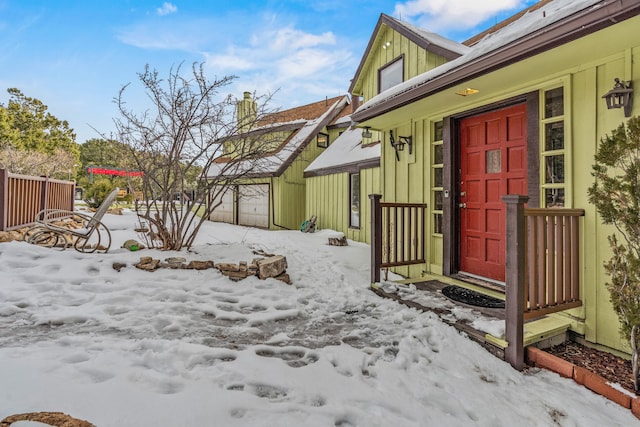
76, 55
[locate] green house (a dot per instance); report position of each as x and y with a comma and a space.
518, 110
339, 181
267, 190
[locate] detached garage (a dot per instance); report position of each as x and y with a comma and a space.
248, 203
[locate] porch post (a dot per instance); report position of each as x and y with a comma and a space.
514, 277
376, 237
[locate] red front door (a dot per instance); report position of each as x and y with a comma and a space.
493, 163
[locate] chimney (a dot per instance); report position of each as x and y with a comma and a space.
355, 103
246, 112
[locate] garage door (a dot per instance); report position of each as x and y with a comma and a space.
224, 212
253, 205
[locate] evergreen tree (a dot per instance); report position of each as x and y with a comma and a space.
616, 195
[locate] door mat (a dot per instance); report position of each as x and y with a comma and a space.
467, 296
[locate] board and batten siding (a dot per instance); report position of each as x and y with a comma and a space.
585, 69
328, 199
416, 59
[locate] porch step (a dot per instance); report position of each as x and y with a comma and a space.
542, 333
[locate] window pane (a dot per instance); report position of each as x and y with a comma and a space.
391, 75
437, 155
437, 223
437, 200
437, 177
355, 200
554, 197
553, 103
554, 136
554, 169
437, 131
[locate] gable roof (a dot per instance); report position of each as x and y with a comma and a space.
304, 123
427, 40
344, 154
533, 31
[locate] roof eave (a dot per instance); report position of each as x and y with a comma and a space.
580, 24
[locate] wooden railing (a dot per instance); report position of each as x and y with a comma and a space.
22, 197
542, 267
397, 234
552, 263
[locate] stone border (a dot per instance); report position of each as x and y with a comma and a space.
274, 266
582, 376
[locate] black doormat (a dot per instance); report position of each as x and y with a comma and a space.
467, 296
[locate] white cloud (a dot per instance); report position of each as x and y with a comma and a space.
291, 39
167, 9
443, 15
298, 66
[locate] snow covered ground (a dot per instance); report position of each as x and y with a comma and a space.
192, 348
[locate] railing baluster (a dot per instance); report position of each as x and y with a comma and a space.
575, 268
557, 296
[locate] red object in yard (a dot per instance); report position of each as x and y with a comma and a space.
107, 171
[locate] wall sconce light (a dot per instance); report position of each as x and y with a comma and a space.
399, 145
620, 96
366, 133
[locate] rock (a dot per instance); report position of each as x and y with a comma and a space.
272, 266
148, 264
175, 262
225, 266
5, 236
284, 277
117, 266
200, 265
338, 241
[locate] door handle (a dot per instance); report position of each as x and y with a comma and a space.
462, 205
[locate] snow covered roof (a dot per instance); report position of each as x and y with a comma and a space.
345, 150
537, 30
425, 39
305, 123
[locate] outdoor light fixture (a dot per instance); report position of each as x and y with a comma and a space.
620, 96
468, 91
366, 133
399, 145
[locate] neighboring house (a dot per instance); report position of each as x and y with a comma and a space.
340, 180
272, 193
518, 110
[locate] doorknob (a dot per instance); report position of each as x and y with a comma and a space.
462, 205
463, 193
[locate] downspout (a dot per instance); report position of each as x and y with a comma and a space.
273, 205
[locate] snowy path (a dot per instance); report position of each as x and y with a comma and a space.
192, 348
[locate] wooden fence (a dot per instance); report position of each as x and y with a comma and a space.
22, 197
397, 234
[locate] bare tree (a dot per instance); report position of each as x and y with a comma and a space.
59, 164
190, 132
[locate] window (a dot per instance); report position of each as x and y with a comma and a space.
553, 148
437, 160
354, 197
322, 140
390, 75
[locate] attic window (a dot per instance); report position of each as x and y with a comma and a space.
391, 74
322, 140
